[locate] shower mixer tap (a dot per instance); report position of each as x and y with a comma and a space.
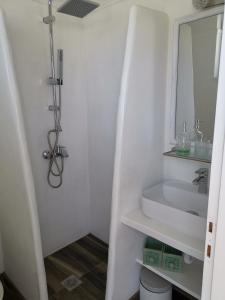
202, 180
60, 151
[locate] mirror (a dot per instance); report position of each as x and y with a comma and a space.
199, 43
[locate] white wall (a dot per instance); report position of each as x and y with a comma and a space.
138, 160
105, 39
64, 213
21, 241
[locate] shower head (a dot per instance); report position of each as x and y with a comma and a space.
78, 8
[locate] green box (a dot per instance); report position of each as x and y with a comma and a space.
172, 259
153, 252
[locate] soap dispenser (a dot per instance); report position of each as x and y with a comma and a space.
183, 145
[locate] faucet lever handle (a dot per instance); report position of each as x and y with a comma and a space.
202, 171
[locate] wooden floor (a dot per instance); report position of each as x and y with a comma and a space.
86, 259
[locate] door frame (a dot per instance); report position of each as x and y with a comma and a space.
213, 284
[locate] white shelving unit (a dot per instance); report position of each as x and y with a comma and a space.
170, 236
190, 280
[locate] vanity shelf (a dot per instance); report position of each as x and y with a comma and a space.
173, 154
162, 232
190, 280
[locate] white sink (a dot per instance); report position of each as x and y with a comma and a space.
177, 204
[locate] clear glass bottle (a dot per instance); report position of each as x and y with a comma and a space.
209, 149
196, 137
183, 145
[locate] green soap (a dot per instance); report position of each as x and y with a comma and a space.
152, 254
172, 259
152, 257
183, 151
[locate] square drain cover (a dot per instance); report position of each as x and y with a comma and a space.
71, 283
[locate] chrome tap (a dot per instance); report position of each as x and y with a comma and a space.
202, 180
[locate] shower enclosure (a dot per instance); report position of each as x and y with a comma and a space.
82, 203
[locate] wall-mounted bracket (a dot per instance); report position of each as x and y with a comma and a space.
54, 81
53, 108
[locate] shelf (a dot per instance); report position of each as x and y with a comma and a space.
170, 236
173, 154
190, 280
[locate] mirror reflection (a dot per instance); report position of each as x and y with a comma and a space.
197, 81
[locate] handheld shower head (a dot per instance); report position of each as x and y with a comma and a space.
60, 66
78, 8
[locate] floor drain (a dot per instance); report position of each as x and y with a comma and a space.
71, 283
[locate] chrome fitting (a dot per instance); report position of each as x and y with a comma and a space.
53, 108
49, 20
54, 81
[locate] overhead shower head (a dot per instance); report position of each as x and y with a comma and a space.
78, 8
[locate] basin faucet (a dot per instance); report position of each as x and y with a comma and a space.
202, 180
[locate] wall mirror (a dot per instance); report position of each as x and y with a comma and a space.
196, 67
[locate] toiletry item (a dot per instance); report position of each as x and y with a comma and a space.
152, 254
201, 150
209, 150
195, 136
188, 259
183, 142
172, 259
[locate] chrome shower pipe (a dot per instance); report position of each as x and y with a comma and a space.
50, 19
56, 153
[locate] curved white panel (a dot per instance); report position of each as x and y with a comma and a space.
21, 242
139, 146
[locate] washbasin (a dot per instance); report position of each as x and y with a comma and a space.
179, 205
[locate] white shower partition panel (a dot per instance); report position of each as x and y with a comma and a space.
139, 145
21, 241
